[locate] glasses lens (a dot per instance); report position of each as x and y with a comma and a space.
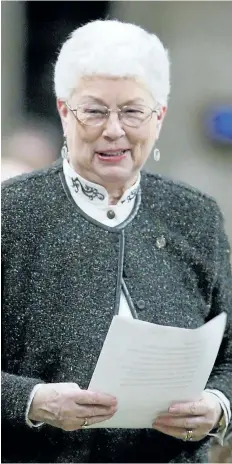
92, 115
135, 115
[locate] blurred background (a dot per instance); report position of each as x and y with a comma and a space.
196, 140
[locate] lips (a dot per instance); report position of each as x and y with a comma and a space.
112, 156
118, 152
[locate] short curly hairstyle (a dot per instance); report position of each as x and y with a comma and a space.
115, 49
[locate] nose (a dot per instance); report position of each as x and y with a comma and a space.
113, 128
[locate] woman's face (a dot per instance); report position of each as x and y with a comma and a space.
112, 152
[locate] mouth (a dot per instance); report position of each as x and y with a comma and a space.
113, 155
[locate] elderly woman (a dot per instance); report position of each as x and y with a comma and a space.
96, 236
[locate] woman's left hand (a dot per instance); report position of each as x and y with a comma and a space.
191, 420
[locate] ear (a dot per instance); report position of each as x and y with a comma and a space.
160, 118
63, 112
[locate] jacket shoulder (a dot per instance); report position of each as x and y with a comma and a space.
24, 185
29, 200
19, 181
174, 190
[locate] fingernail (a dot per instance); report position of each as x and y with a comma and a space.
113, 409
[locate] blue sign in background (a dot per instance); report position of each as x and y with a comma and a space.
218, 123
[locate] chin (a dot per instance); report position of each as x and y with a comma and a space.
115, 174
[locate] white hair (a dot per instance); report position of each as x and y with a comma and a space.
115, 49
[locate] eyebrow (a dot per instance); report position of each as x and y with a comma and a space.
99, 100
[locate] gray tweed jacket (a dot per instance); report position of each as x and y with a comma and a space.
62, 277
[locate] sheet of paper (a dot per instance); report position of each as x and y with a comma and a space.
148, 367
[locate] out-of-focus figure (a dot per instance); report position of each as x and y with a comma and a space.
32, 146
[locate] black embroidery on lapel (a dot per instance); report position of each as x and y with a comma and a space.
131, 196
89, 192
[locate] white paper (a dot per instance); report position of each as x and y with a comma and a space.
147, 367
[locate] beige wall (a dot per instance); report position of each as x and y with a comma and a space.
199, 37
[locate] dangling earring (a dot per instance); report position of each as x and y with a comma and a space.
156, 154
64, 149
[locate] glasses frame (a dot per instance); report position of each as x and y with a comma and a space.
118, 111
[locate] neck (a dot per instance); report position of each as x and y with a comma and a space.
114, 196
115, 190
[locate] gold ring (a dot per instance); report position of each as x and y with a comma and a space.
188, 435
85, 423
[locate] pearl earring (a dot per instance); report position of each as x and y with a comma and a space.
64, 149
156, 154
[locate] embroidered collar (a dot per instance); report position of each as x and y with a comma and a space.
92, 192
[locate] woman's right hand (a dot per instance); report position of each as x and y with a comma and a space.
66, 406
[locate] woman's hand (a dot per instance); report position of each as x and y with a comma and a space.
198, 418
66, 406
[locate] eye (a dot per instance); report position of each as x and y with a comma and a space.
94, 110
133, 110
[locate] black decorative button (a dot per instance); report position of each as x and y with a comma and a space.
111, 214
141, 304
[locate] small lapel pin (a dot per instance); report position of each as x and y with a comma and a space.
161, 242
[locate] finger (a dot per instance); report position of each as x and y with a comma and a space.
94, 398
186, 422
70, 425
91, 411
193, 408
95, 420
180, 433
76, 410
67, 425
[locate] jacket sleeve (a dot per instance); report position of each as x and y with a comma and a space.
221, 375
16, 392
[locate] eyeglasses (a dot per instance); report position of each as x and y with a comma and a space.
97, 115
